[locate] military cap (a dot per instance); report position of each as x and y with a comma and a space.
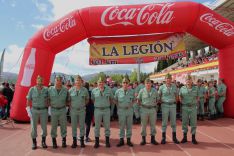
78, 77
147, 80
101, 79
188, 77
39, 78
58, 77
168, 76
125, 80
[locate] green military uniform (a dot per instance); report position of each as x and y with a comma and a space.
136, 107
39, 109
189, 108
148, 109
221, 98
114, 89
78, 100
58, 100
211, 106
201, 94
124, 100
102, 109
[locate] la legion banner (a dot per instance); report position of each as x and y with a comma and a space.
137, 49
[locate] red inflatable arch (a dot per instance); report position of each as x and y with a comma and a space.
190, 17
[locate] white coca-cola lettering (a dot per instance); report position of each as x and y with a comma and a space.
63, 26
225, 28
29, 69
145, 15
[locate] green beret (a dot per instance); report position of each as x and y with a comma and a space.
168, 76
147, 80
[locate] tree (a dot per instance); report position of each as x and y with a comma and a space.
133, 76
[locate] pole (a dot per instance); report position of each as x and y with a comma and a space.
138, 70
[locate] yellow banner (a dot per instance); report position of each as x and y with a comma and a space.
124, 51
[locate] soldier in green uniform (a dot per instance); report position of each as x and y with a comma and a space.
221, 97
168, 95
136, 107
211, 96
125, 98
102, 97
78, 97
202, 97
38, 96
147, 99
58, 100
189, 98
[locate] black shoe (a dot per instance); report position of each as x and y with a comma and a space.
34, 145
143, 142
129, 143
96, 145
108, 142
43, 142
74, 144
82, 145
202, 117
184, 140
221, 115
174, 138
194, 141
211, 117
121, 142
163, 138
64, 144
153, 141
54, 143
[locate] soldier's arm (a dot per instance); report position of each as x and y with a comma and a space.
139, 98
160, 95
29, 97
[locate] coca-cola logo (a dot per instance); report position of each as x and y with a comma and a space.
63, 26
225, 28
139, 16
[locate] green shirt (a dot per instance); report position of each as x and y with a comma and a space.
79, 97
168, 94
101, 99
38, 97
57, 98
211, 91
201, 91
189, 96
139, 87
114, 89
148, 98
222, 89
124, 98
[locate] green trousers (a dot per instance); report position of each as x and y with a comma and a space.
212, 106
136, 109
168, 110
77, 117
125, 120
200, 108
219, 104
189, 114
58, 116
148, 115
43, 116
99, 116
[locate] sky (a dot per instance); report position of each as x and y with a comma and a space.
20, 19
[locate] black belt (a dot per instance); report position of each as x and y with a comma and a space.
58, 107
102, 108
169, 103
148, 107
189, 105
124, 107
80, 108
39, 108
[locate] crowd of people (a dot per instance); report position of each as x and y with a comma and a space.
134, 103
